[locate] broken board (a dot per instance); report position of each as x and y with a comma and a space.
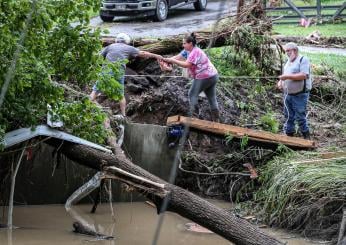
239, 132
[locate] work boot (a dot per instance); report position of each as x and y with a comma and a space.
215, 115
195, 112
306, 135
290, 134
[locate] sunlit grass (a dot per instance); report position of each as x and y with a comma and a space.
337, 63
327, 30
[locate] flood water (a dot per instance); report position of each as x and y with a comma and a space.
134, 224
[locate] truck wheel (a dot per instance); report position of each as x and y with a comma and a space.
106, 18
200, 5
161, 10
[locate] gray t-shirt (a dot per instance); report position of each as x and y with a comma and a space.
298, 65
119, 52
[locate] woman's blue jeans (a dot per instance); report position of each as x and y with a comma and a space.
295, 111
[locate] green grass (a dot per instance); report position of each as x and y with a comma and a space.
299, 195
327, 30
313, 2
332, 61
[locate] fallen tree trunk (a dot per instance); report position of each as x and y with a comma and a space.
174, 44
185, 203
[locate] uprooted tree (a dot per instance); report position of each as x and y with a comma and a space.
180, 201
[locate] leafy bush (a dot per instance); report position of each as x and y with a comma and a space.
38, 44
108, 80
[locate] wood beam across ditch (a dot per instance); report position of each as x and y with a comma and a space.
239, 132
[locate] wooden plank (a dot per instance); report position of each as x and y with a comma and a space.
239, 132
173, 120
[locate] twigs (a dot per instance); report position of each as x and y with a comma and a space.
211, 174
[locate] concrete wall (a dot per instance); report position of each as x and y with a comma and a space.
145, 144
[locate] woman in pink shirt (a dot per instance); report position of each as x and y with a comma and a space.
202, 71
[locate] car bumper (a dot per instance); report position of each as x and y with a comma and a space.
128, 7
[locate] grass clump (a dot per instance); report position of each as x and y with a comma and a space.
306, 197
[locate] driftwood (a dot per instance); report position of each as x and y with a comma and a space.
188, 205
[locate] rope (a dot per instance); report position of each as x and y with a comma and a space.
180, 76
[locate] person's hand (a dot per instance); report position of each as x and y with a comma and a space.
164, 65
279, 84
168, 60
283, 77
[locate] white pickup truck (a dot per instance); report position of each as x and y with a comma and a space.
158, 9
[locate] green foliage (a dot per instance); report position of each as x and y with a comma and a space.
247, 54
108, 80
244, 142
269, 122
229, 138
231, 63
282, 149
74, 56
52, 49
252, 50
83, 118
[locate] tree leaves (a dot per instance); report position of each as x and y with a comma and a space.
53, 48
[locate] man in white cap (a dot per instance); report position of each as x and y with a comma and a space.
121, 51
296, 85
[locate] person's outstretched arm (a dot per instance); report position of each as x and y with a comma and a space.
178, 57
181, 63
145, 54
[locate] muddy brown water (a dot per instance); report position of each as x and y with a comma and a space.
134, 224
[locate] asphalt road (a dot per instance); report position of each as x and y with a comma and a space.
181, 20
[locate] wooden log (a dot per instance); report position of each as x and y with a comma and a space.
173, 44
182, 202
239, 132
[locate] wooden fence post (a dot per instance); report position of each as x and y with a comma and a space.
318, 9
